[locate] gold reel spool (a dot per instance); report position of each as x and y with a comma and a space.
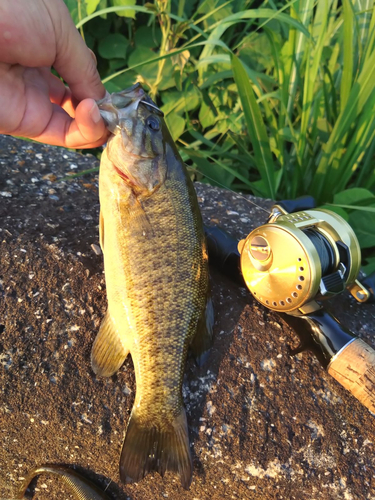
282, 267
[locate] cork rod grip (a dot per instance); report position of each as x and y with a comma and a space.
354, 369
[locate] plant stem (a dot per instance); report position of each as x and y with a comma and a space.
165, 26
80, 19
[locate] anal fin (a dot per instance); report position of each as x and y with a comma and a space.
108, 351
202, 341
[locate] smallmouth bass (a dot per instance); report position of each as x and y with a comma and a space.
82, 488
157, 280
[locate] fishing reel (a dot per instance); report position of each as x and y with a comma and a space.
298, 258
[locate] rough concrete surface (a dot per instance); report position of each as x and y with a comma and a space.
263, 424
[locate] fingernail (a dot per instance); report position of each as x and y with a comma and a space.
95, 113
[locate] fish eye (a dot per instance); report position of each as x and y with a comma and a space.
153, 123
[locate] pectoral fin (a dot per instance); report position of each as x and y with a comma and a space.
108, 352
202, 340
137, 214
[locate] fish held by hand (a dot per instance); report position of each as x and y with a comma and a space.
157, 281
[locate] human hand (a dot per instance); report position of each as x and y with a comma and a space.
35, 35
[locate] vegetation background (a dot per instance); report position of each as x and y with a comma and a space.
268, 97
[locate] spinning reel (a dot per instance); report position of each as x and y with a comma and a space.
300, 257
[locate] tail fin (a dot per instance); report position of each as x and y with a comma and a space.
148, 447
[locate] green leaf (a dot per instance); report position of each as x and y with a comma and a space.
73, 9
123, 3
216, 77
338, 210
176, 125
147, 37
352, 196
98, 28
232, 171
355, 207
180, 101
91, 6
210, 6
256, 51
113, 46
256, 128
121, 82
177, 78
347, 73
108, 10
369, 266
115, 64
259, 188
267, 14
363, 224
143, 55
216, 175
215, 149
206, 115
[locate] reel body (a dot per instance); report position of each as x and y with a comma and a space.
301, 257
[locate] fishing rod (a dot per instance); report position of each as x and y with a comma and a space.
300, 257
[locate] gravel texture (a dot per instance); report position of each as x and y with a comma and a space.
263, 424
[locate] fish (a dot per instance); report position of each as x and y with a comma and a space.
157, 281
81, 487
